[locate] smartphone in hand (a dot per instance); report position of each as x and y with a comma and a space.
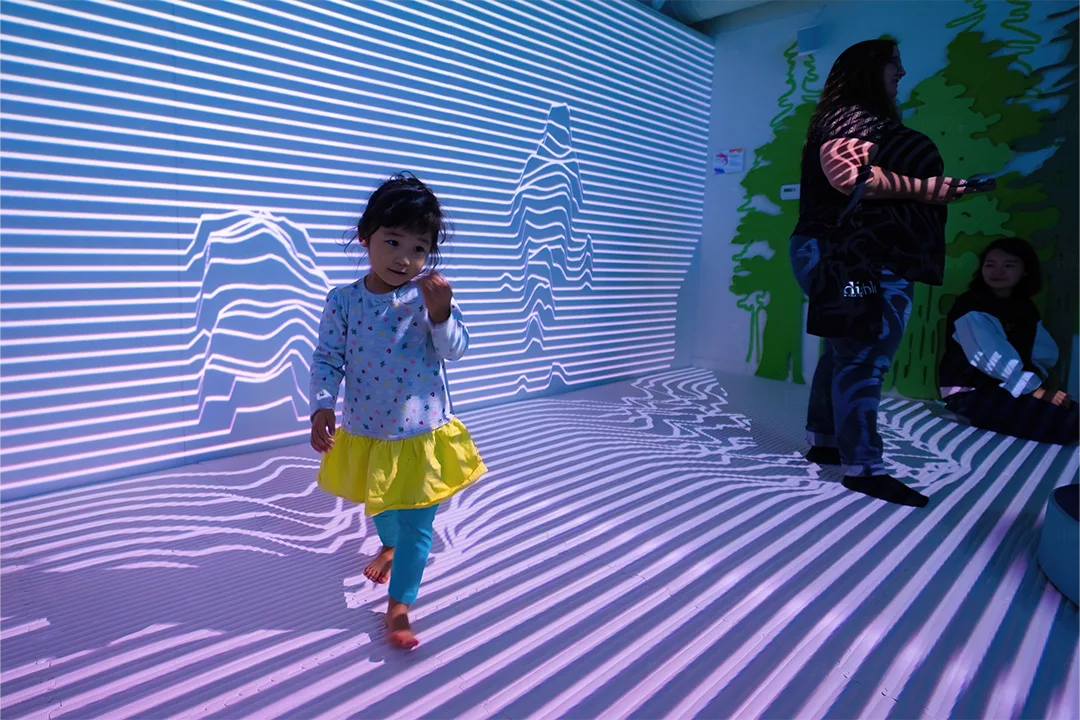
980, 185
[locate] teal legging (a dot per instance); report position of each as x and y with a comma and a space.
409, 533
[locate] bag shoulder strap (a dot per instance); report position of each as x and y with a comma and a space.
860, 186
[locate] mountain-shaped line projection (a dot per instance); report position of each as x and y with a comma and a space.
257, 316
555, 255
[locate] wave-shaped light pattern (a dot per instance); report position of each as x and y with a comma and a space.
645, 549
177, 178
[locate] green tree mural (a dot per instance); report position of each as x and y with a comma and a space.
972, 19
975, 109
1022, 41
1055, 183
1001, 88
762, 277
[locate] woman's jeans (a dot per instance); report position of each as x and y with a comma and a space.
846, 390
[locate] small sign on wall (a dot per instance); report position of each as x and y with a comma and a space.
790, 192
728, 161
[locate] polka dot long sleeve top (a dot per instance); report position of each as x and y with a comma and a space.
391, 358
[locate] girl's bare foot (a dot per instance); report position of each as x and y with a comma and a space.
378, 570
397, 623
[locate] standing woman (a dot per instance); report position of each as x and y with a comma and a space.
871, 224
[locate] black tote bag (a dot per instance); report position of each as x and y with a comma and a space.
845, 292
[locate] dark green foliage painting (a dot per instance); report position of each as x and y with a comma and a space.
1054, 188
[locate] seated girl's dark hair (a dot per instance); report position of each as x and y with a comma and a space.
405, 202
1030, 284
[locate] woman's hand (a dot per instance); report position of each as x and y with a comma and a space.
437, 294
322, 429
945, 190
937, 190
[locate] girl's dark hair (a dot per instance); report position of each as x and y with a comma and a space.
1030, 284
858, 78
405, 202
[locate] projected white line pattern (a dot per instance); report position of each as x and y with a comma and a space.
571, 159
635, 550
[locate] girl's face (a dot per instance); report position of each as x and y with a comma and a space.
894, 72
1002, 272
397, 256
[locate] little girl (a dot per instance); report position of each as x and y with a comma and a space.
998, 356
399, 449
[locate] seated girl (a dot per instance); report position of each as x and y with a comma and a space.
995, 373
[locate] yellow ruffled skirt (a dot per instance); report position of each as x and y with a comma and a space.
416, 472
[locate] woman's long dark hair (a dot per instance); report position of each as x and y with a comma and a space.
858, 78
1030, 284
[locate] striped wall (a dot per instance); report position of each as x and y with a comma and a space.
177, 177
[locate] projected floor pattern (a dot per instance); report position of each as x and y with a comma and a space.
655, 548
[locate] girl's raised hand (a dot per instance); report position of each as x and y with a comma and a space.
437, 293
